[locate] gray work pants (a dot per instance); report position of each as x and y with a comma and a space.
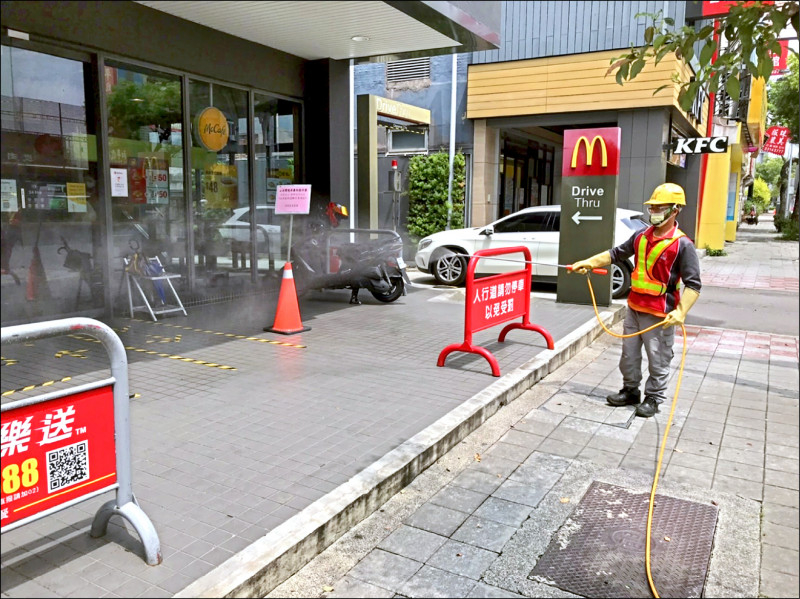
658, 346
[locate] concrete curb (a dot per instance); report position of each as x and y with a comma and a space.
262, 566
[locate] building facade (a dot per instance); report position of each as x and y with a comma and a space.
165, 128
550, 75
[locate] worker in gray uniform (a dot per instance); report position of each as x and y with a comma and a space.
664, 256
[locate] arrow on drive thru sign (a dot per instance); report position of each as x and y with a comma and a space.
578, 218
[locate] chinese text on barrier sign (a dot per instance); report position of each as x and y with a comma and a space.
55, 452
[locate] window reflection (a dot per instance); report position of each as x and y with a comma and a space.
220, 188
277, 131
52, 254
146, 162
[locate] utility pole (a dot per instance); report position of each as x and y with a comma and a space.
453, 86
790, 190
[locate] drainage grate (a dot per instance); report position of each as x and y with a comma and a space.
600, 549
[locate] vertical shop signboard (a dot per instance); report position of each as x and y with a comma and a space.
55, 452
589, 175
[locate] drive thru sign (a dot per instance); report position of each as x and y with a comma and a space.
589, 173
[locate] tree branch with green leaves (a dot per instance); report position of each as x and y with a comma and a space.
735, 43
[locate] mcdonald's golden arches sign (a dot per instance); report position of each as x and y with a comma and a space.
591, 152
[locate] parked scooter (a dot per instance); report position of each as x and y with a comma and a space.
327, 259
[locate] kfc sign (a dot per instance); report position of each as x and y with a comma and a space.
700, 145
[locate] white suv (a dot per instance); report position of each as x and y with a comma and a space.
536, 227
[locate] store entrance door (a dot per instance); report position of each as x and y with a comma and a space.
526, 176
52, 249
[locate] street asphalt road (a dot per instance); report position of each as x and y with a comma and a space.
759, 310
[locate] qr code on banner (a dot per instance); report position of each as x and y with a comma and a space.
67, 466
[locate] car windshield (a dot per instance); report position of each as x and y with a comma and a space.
636, 222
529, 222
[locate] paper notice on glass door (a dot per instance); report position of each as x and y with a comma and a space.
8, 196
119, 183
76, 197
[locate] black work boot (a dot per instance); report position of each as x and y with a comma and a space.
647, 408
627, 396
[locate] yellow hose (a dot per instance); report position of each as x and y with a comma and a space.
666, 431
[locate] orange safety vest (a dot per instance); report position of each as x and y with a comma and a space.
648, 292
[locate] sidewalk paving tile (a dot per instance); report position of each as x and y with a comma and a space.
502, 511
437, 519
385, 569
458, 498
463, 558
432, 582
487, 534
412, 543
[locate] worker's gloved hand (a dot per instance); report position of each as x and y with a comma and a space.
598, 260
678, 315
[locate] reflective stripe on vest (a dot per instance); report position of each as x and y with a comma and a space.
642, 280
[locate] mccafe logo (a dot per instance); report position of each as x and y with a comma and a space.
212, 129
584, 141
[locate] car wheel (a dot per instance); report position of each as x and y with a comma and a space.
620, 280
450, 269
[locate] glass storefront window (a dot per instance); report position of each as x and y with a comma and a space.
52, 251
220, 190
277, 131
146, 164
55, 249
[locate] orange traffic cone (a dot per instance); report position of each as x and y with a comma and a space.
287, 316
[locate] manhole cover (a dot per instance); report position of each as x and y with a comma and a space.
600, 549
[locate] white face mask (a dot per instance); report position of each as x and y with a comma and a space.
656, 218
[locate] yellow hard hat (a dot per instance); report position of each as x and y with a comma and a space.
668, 193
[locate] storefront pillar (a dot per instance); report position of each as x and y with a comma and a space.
711, 226
735, 181
484, 175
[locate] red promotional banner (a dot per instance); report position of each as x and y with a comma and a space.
592, 152
779, 60
497, 299
776, 140
55, 452
707, 9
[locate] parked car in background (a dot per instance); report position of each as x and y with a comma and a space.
237, 229
443, 254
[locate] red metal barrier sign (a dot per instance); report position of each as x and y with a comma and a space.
55, 452
495, 300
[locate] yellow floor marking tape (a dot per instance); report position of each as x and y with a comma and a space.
160, 355
233, 335
29, 387
78, 353
181, 358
